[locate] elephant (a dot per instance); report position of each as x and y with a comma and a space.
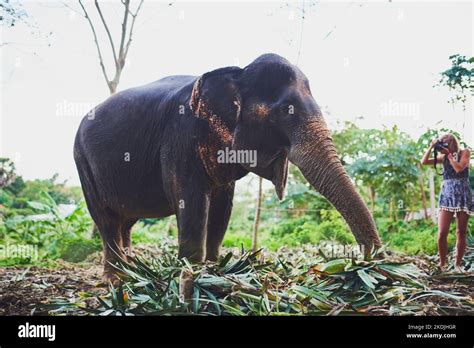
156, 150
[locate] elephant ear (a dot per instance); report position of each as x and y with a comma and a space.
216, 98
280, 174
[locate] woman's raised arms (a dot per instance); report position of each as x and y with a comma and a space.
463, 161
426, 160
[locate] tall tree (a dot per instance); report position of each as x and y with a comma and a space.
124, 41
382, 160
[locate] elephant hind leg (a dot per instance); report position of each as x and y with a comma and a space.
110, 228
219, 214
125, 231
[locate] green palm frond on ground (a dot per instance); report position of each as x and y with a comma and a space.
290, 283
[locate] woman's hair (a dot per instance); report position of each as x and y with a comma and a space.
452, 141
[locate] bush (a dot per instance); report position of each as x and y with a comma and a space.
53, 229
334, 228
412, 237
305, 230
77, 250
236, 240
151, 231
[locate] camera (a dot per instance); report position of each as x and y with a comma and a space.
440, 145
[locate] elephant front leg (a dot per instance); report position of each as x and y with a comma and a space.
219, 214
192, 215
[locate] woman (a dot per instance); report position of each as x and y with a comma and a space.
455, 198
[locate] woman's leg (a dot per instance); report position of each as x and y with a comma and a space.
444, 221
461, 236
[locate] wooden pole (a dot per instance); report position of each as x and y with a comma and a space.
372, 199
422, 188
432, 195
256, 221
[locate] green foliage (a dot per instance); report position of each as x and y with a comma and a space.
385, 161
414, 237
6, 199
295, 232
333, 228
352, 142
237, 240
77, 249
16, 186
151, 232
58, 192
305, 230
55, 229
459, 78
300, 282
18, 193
301, 200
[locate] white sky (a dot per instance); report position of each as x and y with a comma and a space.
361, 60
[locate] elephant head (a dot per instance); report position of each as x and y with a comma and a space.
268, 107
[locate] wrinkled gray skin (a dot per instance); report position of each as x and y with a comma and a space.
173, 129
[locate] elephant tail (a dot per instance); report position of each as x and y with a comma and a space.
89, 187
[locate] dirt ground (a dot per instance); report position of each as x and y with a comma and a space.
29, 290
26, 290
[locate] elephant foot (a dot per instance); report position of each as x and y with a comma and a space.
380, 255
212, 257
193, 256
110, 277
111, 274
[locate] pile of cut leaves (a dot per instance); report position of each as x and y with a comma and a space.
289, 282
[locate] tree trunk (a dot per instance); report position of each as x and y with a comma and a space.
390, 210
257, 215
372, 200
395, 210
169, 226
432, 195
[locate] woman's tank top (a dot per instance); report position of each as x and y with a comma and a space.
450, 173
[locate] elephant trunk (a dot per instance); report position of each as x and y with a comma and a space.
313, 152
